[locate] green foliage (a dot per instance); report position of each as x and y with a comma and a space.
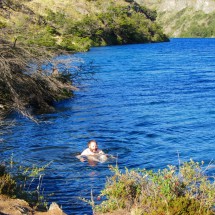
75, 43
184, 190
19, 183
199, 25
57, 18
189, 23
150, 14
116, 23
199, 30
121, 190
183, 206
42, 38
2, 24
34, 33
51, 30
119, 25
7, 184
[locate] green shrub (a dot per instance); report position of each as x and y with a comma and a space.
118, 25
51, 30
179, 191
7, 184
2, 24
75, 43
185, 206
42, 38
18, 183
57, 18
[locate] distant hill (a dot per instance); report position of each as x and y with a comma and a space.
78, 24
184, 18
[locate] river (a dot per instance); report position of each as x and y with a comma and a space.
148, 104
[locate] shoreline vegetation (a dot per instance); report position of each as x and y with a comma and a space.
180, 190
33, 32
21, 191
24, 90
186, 189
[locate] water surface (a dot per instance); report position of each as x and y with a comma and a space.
146, 104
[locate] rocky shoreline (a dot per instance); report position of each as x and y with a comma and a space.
9, 206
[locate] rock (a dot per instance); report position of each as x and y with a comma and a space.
54, 209
14, 206
10, 206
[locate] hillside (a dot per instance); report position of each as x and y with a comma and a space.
185, 18
34, 31
78, 25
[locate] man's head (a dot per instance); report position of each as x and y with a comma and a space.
92, 145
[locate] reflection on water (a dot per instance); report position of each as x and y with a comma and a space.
146, 104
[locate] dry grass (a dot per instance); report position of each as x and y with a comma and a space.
73, 8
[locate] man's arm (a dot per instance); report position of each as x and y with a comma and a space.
81, 158
101, 152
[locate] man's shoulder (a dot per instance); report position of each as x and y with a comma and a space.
86, 152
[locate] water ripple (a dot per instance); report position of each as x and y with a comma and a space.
146, 104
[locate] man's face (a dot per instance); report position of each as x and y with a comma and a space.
93, 147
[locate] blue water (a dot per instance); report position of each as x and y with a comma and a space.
146, 104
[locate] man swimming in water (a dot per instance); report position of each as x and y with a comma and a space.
92, 153
92, 149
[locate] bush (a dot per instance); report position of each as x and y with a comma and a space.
76, 43
118, 25
18, 183
43, 38
2, 24
198, 25
183, 190
7, 184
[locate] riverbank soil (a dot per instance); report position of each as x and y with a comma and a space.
10, 206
